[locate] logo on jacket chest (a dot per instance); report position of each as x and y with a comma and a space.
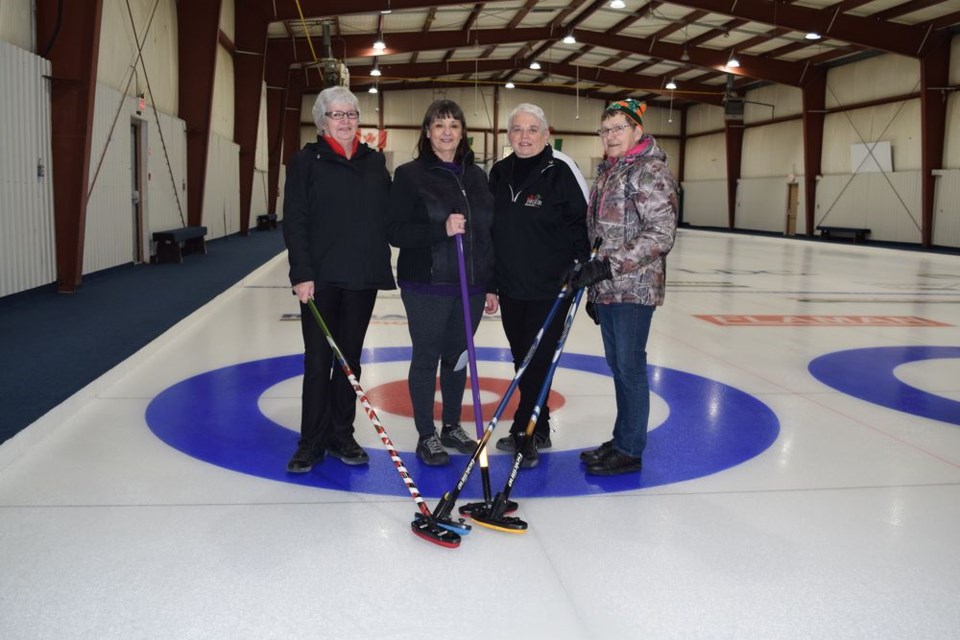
534, 200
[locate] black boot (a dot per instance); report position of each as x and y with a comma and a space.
305, 457
613, 463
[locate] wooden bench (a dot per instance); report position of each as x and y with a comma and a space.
859, 234
172, 244
266, 221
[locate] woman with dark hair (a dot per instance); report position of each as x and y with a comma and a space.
435, 197
335, 186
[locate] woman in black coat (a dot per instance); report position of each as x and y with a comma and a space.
539, 230
334, 215
437, 196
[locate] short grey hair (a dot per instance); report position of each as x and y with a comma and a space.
532, 109
329, 96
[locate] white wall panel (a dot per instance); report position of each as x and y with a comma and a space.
887, 204
946, 210
951, 140
705, 203
17, 24
706, 158
704, 117
897, 123
772, 101
221, 194
762, 204
222, 114
772, 150
871, 79
166, 171
154, 74
27, 253
108, 235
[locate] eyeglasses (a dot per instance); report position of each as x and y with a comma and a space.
615, 129
340, 115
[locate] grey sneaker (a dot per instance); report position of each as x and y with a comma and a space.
431, 452
454, 437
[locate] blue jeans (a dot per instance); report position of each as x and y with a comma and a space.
625, 328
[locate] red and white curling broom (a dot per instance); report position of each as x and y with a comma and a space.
445, 533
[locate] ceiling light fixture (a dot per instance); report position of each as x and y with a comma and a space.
569, 39
535, 65
685, 56
373, 89
671, 85
379, 44
509, 85
375, 72
618, 4
813, 35
733, 63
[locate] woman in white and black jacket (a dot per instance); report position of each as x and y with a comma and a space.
539, 230
334, 226
438, 195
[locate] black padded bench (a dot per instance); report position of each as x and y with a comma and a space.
172, 244
266, 221
859, 234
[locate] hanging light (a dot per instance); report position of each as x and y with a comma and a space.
379, 44
535, 65
569, 39
375, 72
509, 85
733, 63
813, 35
373, 89
671, 84
618, 4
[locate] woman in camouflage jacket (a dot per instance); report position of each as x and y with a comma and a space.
633, 207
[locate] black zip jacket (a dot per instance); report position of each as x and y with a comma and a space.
539, 227
334, 218
424, 194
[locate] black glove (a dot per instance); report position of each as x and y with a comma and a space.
569, 272
591, 273
592, 312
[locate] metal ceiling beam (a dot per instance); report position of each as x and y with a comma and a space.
361, 46
906, 40
790, 73
422, 71
313, 9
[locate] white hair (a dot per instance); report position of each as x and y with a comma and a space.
532, 109
329, 96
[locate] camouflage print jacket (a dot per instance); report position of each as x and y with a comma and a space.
633, 207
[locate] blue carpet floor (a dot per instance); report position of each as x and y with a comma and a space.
52, 344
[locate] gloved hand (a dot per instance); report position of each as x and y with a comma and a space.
569, 272
592, 312
591, 273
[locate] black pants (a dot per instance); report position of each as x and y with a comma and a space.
522, 320
329, 403
438, 336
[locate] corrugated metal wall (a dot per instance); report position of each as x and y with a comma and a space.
27, 252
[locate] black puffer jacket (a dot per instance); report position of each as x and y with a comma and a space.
334, 218
540, 226
424, 193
